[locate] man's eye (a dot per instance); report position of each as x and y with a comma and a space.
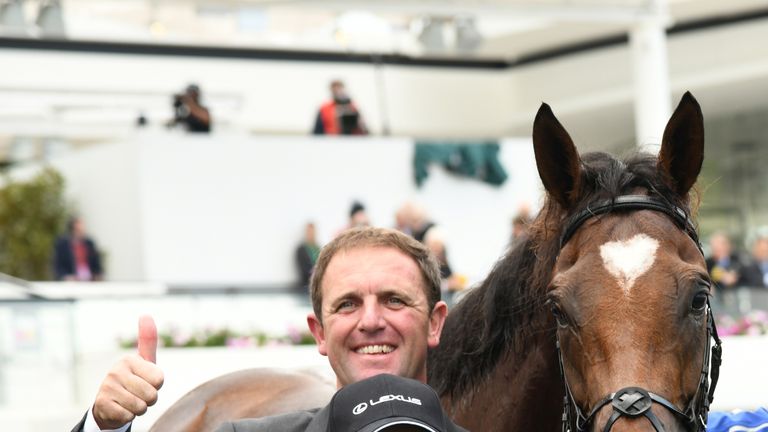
395, 301
347, 304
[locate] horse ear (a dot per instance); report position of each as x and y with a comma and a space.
682, 148
557, 160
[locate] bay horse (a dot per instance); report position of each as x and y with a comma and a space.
603, 309
602, 312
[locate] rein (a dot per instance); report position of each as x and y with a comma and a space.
635, 401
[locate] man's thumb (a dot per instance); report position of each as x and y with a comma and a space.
147, 338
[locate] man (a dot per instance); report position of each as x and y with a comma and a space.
75, 256
190, 112
376, 299
723, 265
306, 255
357, 216
755, 272
339, 116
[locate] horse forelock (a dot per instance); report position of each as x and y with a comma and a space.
503, 315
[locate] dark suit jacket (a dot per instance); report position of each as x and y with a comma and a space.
64, 258
735, 265
315, 420
79, 427
300, 421
752, 275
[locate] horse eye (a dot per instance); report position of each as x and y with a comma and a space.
559, 316
699, 302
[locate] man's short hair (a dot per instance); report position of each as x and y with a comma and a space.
355, 238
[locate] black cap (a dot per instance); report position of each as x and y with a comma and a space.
383, 401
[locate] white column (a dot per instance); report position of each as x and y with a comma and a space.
648, 42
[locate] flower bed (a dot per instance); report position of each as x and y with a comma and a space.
224, 337
754, 323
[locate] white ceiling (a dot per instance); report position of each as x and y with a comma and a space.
508, 29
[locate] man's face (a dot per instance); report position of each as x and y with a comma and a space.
721, 246
359, 219
338, 91
375, 316
78, 228
309, 233
760, 249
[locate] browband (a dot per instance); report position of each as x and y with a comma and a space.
631, 202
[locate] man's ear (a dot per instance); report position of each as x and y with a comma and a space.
316, 327
436, 322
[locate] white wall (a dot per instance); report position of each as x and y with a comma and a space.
261, 95
230, 209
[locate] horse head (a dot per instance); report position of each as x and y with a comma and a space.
629, 292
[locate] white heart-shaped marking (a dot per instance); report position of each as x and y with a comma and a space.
627, 260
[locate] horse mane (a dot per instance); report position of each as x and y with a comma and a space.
501, 317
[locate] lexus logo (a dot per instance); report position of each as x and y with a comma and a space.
359, 408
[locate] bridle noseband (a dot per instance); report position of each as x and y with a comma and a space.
634, 401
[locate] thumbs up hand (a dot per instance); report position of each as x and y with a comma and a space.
132, 384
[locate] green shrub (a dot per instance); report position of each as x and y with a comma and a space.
32, 214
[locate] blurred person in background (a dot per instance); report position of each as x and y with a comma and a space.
358, 218
723, 265
306, 255
419, 222
726, 271
424, 230
188, 111
450, 283
75, 257
755, 272
401, 218
520, 224
339, 116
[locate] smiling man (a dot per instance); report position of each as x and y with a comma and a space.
376, 297
377, 310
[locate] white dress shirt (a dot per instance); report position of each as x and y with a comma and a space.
91, 426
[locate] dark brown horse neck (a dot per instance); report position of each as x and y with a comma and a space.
496, 367
520, 394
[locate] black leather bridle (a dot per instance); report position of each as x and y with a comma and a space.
635, 401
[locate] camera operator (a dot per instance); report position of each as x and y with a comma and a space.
189, 112
339, 116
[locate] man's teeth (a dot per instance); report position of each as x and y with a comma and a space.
375, 349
